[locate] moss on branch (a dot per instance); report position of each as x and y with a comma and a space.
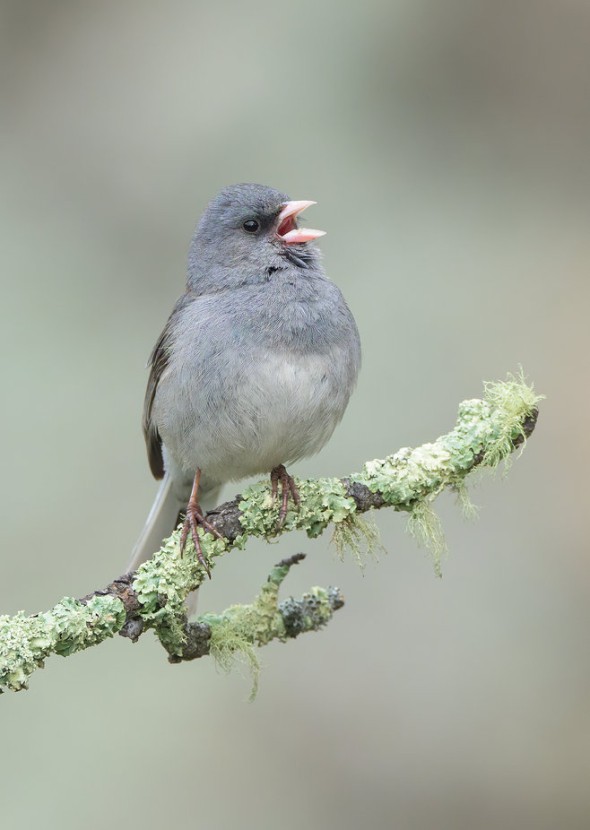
486, 433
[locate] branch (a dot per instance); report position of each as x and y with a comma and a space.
486, 433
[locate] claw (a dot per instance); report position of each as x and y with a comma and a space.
194, 518
288, 488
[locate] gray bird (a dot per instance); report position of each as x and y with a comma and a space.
255, 366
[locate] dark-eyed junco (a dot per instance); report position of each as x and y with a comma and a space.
255, 365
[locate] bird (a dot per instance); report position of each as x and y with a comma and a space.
254, 368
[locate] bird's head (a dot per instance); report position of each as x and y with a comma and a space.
247, 233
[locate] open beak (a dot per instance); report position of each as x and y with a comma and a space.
287, 230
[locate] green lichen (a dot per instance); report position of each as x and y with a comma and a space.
322, 502
231, 642
484, 435
426, 528
359, 536
468, 508
172, 575
408, 480
237, 632
164, 582
259, 514
407, 475
70, 626
512, 401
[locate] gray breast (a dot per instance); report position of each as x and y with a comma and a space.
247, 389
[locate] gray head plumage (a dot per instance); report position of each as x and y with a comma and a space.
237, 240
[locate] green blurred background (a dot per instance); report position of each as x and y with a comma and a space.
447, 145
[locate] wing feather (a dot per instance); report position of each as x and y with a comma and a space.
157, 364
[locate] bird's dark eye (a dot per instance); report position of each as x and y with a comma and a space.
251, 225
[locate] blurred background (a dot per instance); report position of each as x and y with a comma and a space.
447, 145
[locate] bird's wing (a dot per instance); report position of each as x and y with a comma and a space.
157, 364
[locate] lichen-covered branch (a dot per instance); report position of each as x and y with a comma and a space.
486, 433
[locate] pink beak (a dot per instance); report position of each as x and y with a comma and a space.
287, 230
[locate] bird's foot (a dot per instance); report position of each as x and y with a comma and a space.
195, 517
288, 488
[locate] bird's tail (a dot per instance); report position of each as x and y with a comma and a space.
159, 524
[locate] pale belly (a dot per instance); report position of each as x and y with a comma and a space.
283, 407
